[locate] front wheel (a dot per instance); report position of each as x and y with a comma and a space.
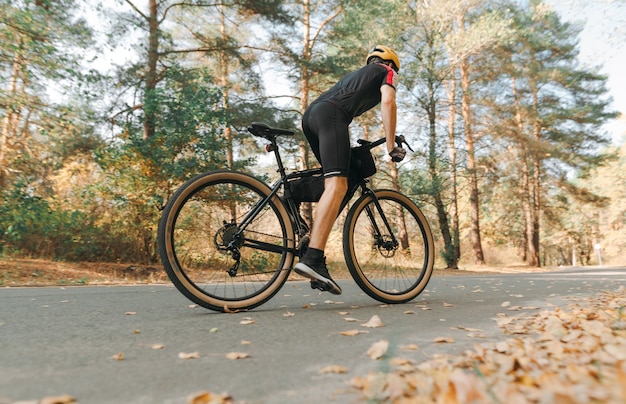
221, 246
388, 246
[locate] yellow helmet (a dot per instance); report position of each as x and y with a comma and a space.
385, 53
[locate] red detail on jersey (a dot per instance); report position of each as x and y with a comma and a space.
392, 77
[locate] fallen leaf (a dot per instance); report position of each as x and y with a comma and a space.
213, 330
443, 340
246, 321
378, 349
288, 314
373, 322
130, 313
505, 304
399, 362
468, 329
66, 399
410, 312
119, 356
244, 342
237, 355
410, 347
230, 311
447, 304
136, 331
352, 333
476, 335
334, 369
206, 397
157, 346
351, 320
189, 355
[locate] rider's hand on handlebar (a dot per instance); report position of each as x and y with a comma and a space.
397, 154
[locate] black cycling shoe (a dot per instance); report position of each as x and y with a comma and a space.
315, 284
320, 278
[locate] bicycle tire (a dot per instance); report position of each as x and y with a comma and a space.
202, 218
388, 274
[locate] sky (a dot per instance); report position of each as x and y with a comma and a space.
602, 43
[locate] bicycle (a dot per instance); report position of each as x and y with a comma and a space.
228, 241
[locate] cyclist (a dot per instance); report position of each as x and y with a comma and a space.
325, 125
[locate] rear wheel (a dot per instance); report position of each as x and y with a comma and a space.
213, 257
391, 261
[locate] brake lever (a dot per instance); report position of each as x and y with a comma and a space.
400, 140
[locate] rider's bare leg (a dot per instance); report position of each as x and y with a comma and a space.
335, 189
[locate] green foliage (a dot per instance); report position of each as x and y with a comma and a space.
32, 227
142, 174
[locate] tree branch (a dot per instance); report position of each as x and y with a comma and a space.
323, 24
136, 9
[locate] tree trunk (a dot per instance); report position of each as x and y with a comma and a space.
9, 123
526, 203
533, 241
224, 84
454, 205
151, 73
471, 166
442, 214
524, 171
306, 208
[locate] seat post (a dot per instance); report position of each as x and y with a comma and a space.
274, 147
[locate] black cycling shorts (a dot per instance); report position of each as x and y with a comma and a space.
325, 126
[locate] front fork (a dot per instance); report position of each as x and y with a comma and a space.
386, 244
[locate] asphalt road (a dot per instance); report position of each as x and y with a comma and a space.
62, 340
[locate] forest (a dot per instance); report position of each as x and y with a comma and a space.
511, 163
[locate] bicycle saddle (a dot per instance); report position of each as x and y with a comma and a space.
263, 130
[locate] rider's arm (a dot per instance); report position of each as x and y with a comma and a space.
388, 112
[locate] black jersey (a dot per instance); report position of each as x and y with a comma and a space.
359, 91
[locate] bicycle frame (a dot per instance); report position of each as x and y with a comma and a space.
292, 209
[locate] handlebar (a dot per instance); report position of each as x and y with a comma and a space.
400, 141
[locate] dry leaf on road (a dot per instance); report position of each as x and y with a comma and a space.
206, 397
352, 333
66, 399
378, 349
119, 356
237, 355
571, 355
334, 369
189, 355
373, 322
